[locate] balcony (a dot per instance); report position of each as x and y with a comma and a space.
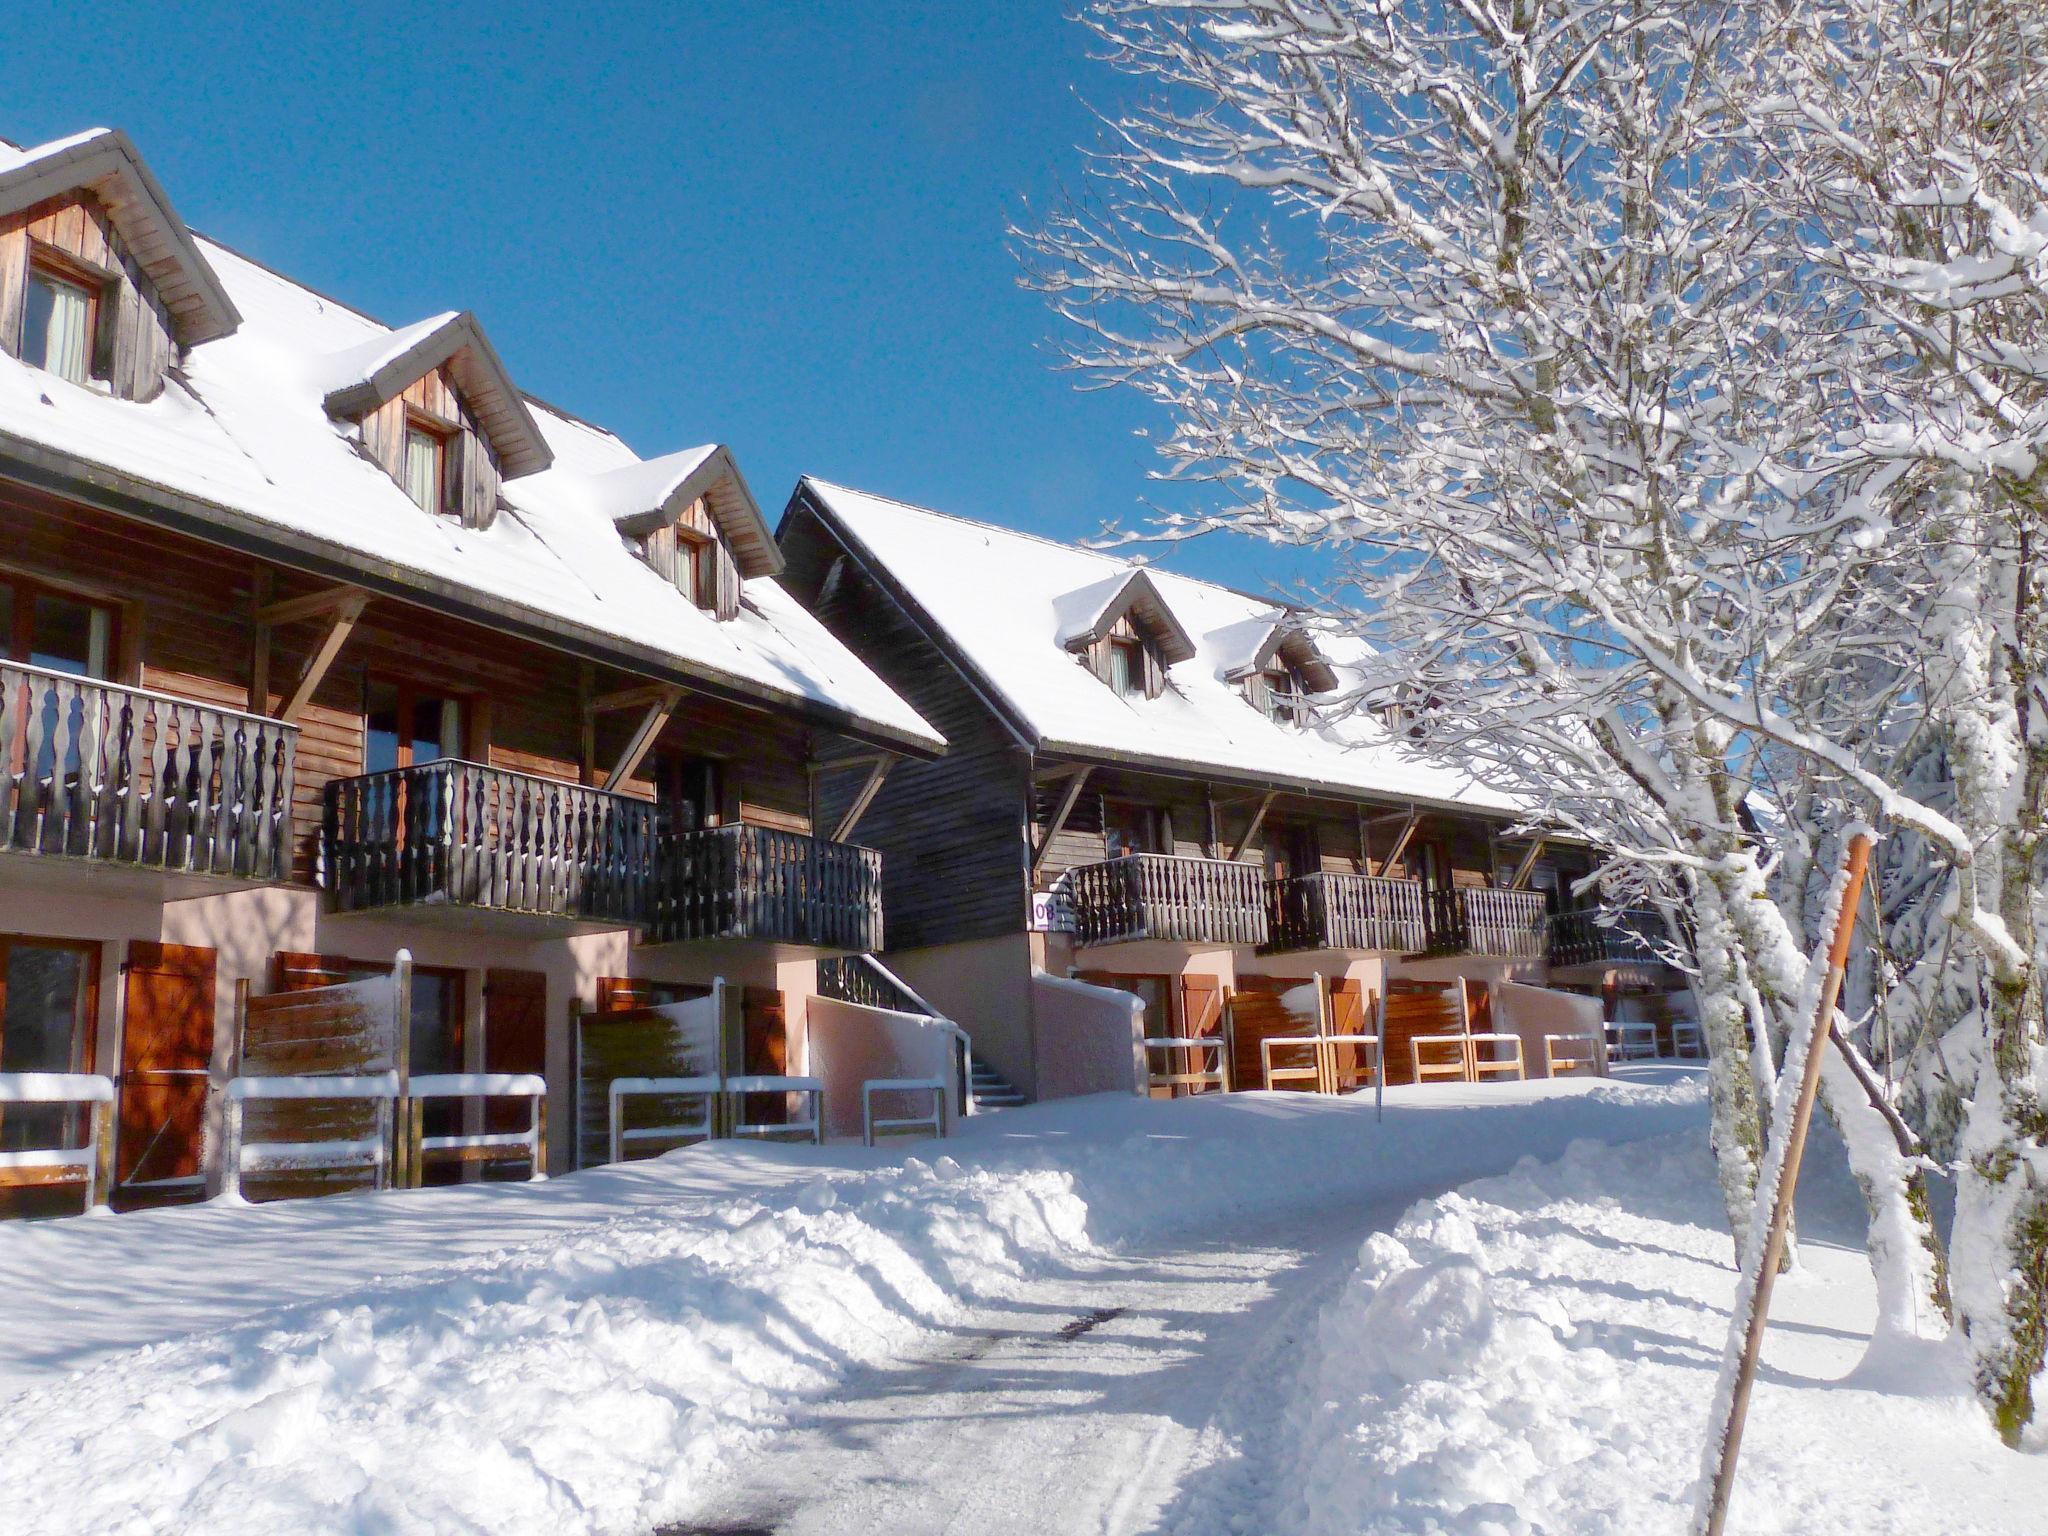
1482, 920
1355, 912
743, 882
1164, 896
511, 849
95, 773
1605, 938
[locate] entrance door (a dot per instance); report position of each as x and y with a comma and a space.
166, 1050
1201, 1016
515, 1040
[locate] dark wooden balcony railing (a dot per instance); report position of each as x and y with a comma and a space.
93, 770
1164, 896
1608, 936
744, 882
1483, 920
1335, 911
473, 837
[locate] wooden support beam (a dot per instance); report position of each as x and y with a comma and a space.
1401, 842
639, 696
1258, 820
315, 670
1527, 867
868, 790
586, 714
312, 606
642, 739
1059, 820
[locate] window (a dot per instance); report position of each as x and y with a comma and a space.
404, 726
1292, 851
426, 459
1284, 696
59, 319
1127, 668
48, 1003
1129, 828
688, 792
697, 567
49, 628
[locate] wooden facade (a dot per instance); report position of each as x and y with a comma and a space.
469, 467
969, 840
133, 345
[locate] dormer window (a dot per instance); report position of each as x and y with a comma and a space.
60, 319
1285, 696
1127, 668
426, 465
697, 567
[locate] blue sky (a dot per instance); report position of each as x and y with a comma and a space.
777, 226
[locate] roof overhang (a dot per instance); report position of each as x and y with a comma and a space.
1088, 613
27, 462
376, 374
1287, 641
658, 491
104, 163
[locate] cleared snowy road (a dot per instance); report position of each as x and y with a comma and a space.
1105, 1400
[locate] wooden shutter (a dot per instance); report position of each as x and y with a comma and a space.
617, 994
291, 971
1350, 1014
166, 1057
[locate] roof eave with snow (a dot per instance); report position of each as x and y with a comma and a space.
669, 484
457, 341
104, 163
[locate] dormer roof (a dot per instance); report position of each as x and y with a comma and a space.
1086, 614
641, 498
102, 162
1250, 647
379, 370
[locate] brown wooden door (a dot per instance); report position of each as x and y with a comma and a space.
1350, 1015
1201, 1014
515, 1036
764, 1050
166, 1052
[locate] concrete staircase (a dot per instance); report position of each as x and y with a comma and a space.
990, 1090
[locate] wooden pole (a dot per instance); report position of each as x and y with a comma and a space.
1788, 1181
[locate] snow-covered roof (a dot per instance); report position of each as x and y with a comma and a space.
103, 162
376, 371
240, 445
1088, 613
1003, 603
639, 498
1250, 646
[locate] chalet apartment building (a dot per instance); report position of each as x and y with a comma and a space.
319, 639
1139, 793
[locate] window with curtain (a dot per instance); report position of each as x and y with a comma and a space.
425, 452
57, 322
1127, 668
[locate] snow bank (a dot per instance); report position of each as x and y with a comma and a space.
581, 1385
585, 1378
1536, 1352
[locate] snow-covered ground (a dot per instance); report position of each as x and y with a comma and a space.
1100, 1314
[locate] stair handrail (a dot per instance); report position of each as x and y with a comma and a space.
959, 1035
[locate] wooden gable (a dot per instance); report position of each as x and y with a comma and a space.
670, 546
471, 474
134, 340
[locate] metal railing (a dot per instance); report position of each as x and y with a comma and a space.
94, 770
1484, 920
1608, 936
1336, 911
1166, 896
460, 833
743, 882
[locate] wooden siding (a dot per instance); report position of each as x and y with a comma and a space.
185, 630
951, 831
664, 550
470, 472
136, 344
